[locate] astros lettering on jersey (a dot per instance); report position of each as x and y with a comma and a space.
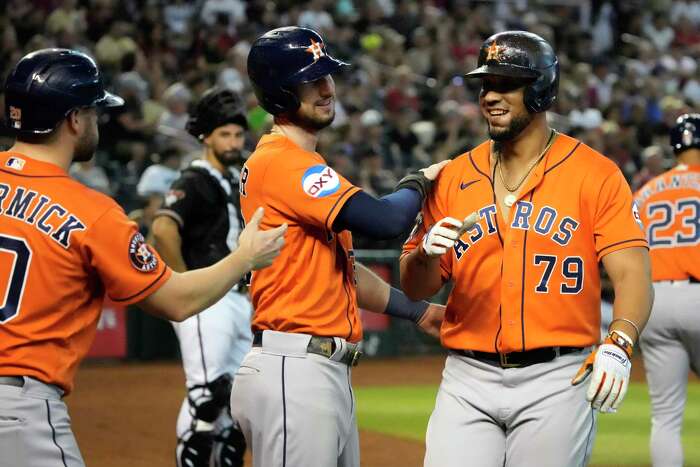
310, 288
58, 235
532, 280
669, 208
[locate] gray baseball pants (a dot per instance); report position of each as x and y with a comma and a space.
35, 428
670, 347
295, 409
488, 416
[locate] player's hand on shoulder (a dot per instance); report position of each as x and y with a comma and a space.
431, 320
260, 247
443, 235
610, 368
431, 172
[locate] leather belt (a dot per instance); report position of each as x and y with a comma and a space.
519, 359
17, 381
324, 346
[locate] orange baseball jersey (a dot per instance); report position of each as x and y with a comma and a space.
62, 247
531, 280
310, 287
669, 206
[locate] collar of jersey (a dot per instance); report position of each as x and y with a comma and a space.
32, 167
560, 150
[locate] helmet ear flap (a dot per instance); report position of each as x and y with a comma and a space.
279, 101
541, 95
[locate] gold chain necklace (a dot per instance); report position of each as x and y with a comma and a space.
534, 162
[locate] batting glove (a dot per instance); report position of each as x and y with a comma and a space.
440, 238
610, 365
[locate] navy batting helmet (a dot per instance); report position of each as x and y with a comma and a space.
685, 134
522, 54
283, 58
217, 107
46, 85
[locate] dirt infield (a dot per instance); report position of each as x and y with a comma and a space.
124, 414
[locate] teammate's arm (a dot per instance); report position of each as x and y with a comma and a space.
375, 295
421, 276
186, 294
168, 242
390, 215
630, 272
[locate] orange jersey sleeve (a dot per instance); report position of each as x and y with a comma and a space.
669, 207
530, 280
617, 222
62, 246
310, 287
122, 270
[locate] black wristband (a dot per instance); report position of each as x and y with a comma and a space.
415, 181
400, 306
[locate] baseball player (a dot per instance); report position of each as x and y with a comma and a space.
64, 246
199, 225
292, 394
525, 308
669, 206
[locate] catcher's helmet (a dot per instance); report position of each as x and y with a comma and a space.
284, 58
522, 54
685, 134
217, 107
46, 85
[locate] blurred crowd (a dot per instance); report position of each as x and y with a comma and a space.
627, 70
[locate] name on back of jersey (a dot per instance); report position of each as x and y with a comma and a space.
679, 181
544, 220
36, 209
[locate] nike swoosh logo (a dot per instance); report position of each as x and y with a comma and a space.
463, 185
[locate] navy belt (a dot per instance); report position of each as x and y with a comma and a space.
17, 381
324, 346
519, 359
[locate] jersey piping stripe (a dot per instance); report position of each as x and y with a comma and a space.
284, 418
33, 176
201, 349
345, 288
143, 290
53, 433
340, 198
624, 241
564, 159
589, 438
522, 283
495, 203
478, 169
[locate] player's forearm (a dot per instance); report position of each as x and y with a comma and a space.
372, 291
634, 294
375, 295
186, 294
420, 275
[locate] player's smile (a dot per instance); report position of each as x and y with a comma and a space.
325, 104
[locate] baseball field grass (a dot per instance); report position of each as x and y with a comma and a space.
622, 439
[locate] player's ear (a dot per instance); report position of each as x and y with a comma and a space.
74, 122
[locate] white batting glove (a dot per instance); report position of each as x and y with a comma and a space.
610, 365
441, 238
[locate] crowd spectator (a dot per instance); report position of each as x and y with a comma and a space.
627, 70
